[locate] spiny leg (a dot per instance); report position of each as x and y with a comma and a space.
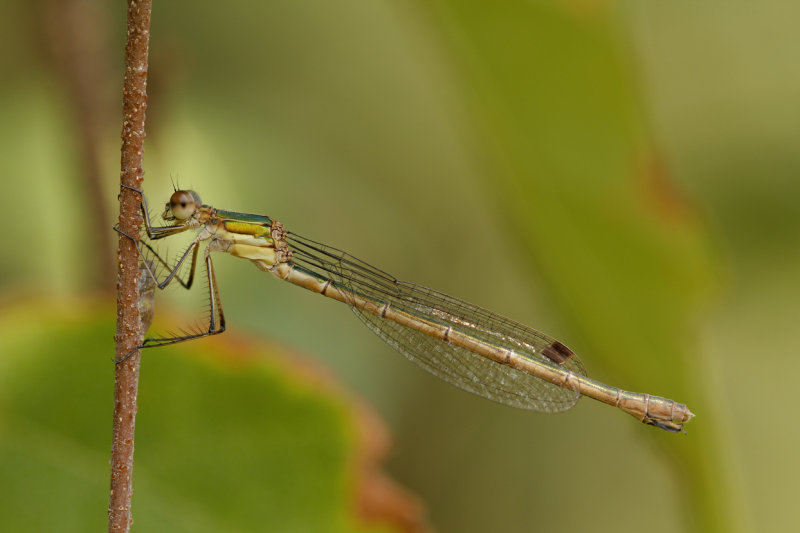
146, 266
172, 272
216, 323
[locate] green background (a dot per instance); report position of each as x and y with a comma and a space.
620, 175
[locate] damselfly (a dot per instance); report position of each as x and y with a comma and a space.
463, 344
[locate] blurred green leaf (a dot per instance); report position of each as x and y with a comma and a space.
227, 439
580, 185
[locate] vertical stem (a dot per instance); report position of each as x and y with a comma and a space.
129, 333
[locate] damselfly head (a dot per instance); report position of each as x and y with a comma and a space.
181, 206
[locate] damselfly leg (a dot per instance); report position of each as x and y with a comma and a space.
163, 274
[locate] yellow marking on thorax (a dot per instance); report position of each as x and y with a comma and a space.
245, 228
243, 233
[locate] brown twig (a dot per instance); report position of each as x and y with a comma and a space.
129, 333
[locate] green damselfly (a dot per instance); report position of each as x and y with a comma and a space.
463, 344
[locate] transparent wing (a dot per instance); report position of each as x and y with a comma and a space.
453, 364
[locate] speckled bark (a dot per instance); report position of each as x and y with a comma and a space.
129, 334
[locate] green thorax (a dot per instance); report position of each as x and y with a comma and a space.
245, 223
262, 220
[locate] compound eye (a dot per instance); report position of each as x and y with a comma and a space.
182, 205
